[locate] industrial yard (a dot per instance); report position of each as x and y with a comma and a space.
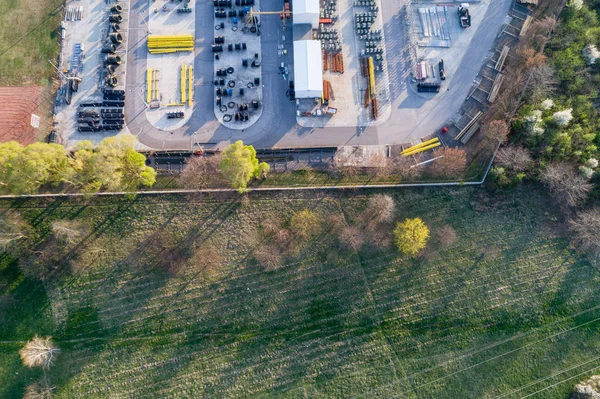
278, 74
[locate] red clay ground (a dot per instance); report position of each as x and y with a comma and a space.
16, 106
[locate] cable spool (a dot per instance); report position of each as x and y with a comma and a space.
116, 38
115, 18
115, 27
116, 8
113, 59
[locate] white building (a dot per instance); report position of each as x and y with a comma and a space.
308, 69
306, 12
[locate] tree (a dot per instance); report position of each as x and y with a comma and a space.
201, 172
452, 164
26, 169
586, 226
304, 223
12, 229
68, 232
515, 158
113, 165
39, 352
494, 134
351, 237
564, 181
411, 236
8, 153
380, 208
39, 390
446, 235
239, 165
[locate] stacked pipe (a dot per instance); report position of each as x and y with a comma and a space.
337, 63
424, 146
163, 44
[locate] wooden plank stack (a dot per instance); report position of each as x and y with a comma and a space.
325, 61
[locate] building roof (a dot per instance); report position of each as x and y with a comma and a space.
308, 70
305, 7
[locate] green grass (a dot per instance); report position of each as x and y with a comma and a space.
507, 307
28, 39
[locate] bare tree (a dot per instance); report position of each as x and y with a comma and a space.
39, 352
380, 208
515, 158
564, 181
69, 232
39, 390
351, 237
446, 235
452, 164
586, 226
268, 256
494, 133
542, 81
201, 172
12, 230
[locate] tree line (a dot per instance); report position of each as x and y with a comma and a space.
112, 165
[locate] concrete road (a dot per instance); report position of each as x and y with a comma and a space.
413, 115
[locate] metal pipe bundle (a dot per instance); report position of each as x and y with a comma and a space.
162, 44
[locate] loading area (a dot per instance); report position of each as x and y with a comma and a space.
91, 68
169, 83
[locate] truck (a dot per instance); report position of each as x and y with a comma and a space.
463, 15
442, 72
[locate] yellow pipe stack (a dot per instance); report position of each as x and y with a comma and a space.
163, 44
190, 85
424, 146
183, 82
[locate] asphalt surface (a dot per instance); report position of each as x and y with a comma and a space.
413, 115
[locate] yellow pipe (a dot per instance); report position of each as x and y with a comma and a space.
190, 85
423, 144
170, 50
169, 37
174, 104
418, 150
183, 81
149, 85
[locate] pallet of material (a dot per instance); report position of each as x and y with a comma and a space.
325, 61
502, 58
469, 133
495, 88
525, 26
469, 125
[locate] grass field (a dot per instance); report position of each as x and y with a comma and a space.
507, 311
28, 39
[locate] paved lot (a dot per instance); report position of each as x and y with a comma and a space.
412, 115
89, 32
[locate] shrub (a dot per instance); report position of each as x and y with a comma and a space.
304, 224
411, 236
